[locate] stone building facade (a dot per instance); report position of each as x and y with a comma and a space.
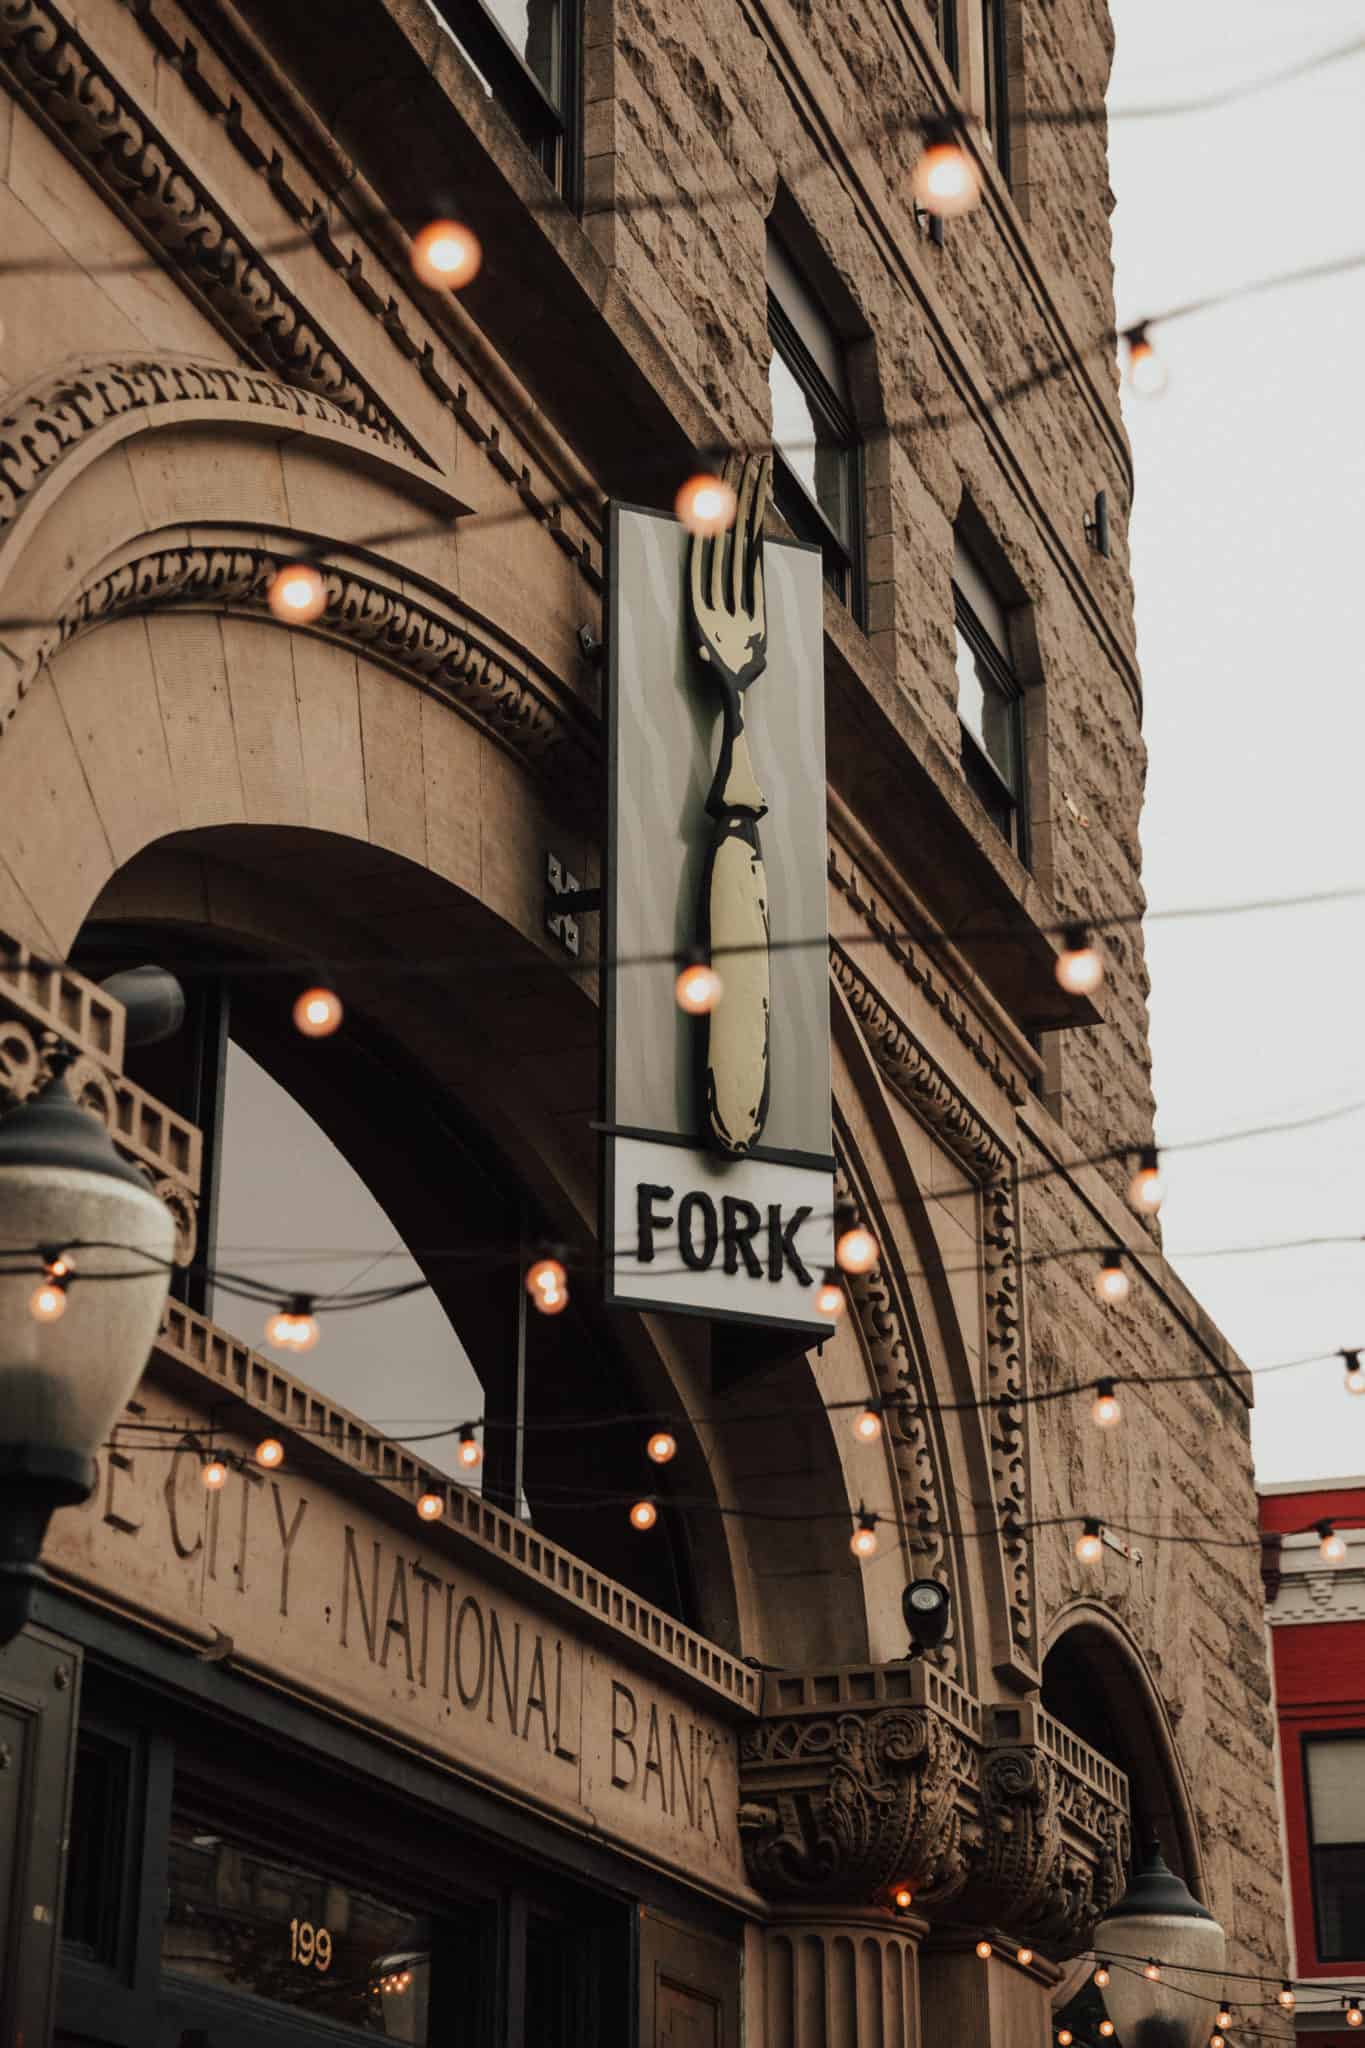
669, 1791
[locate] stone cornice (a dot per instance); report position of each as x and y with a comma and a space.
437, 653
150, 185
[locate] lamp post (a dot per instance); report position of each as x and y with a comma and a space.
1165, 1958
85, 1254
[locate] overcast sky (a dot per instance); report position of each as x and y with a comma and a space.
1250, 567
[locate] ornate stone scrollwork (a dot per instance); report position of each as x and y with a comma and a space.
1053, 1847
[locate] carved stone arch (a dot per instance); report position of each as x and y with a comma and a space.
981, 1453
1095, 1673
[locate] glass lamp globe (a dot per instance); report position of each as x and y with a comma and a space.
64, 1380
1159, 1916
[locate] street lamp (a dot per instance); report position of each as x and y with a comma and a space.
1165, 1955
69, 1206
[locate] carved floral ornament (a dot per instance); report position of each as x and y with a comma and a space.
894, 1783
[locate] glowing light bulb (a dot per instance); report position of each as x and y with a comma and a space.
902, 1898
1285, 1997
446, 255
1106, 1410
546, 1276
1146, 371
1065, 2037
945, 180
830, 1299
1217, 2041
1080, 966
867, 1426
983, 1949
1332, 1550
58, 1265
47, 1303
294, 1327
661, 1447
1354, 2016
1106, 2027
1112, 1284
470, 1451
214, 1474
706, 505
643, 1515
1223, 2016
1089, 1547
1151, 1972
297, 594
1145, 1191
1023, 1956
1355, 1372
698, 988
1100, 1978
270, 1452
863, 1541
318, 1013
431, 1506
856, 1250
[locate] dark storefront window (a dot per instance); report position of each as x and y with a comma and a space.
1334, 1775
526, 54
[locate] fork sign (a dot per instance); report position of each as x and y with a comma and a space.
729, 633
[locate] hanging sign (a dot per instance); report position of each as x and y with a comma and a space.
718, 1187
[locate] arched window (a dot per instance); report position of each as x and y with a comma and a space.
332, 1165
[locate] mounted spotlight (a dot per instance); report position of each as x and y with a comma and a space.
928, 1608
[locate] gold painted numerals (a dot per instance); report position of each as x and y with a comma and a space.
310, 1947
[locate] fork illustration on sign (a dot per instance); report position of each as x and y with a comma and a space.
730, 639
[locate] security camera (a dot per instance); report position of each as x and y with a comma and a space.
927, 1607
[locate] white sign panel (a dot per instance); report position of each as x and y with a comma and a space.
718, 1190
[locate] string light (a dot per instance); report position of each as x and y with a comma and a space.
47, 1303
431, 1506
984, 1950
1145, 1191
867, 1426
856, 1250
1285, 1997
1100, 1978
470, 1451
644, 1515
294, 1327
830, 1299
1146, 371
1065, 2037
1080, 967
706, 505
863, 1541
1023, 1956
1112, 1284
662, 1447
446, 255
1217, 2041
698, 988
297, 594
1106, 1411
318, 1013
214, 1474
1355, 1373
945, 180
1332, 1550
1089, 1547
547, 1283
58, 1265
902, 1898
270, 1452
1223, 2017
1354, 2016
1107, 2029
1151, 1972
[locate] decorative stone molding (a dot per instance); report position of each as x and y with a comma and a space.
916, 1077
136, 171
857, 1780
436, 653
38, 1005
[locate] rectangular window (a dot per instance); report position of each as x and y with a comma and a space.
989, 702
817, 461
526, 54
995, 81
1334, 1774
944, 16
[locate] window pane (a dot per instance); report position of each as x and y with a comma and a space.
97, 1849
288, 1203
990, 716
1339, 1889
1336, 1791
814, 454
532, 28
244, 1918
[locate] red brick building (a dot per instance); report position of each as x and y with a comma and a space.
1316, 1612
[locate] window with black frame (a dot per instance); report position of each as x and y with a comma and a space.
526, 54
1334, 1781
817, 456
989, 702
944, 16
995, 106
